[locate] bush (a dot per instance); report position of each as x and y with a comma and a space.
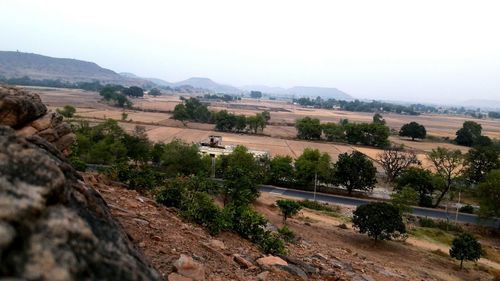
465, 247
315, 205
171, 195
440, 224
68, 111
286, 233
466, 209
248, 223
200, 208
288, 208
272, 244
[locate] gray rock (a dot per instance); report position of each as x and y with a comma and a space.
56, 227
295, 270
18, 107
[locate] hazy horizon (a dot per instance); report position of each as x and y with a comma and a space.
427, 51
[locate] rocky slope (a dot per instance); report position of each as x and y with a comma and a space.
52, 225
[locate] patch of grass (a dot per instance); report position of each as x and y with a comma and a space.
315, 205
432, 234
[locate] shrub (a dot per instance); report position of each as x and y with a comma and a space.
315, 205
465, 247
272, 244
248, 223
288, 208
68, 111
286, 233
200, 208
466, 209
172, 193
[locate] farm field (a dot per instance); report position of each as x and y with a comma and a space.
278, 137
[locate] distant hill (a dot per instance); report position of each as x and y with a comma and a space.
39, 67
301, 91
207, 84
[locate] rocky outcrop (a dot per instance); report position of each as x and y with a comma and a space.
26, 113
52, 225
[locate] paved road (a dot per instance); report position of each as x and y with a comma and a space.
417, 211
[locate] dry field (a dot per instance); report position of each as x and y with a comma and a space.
279, 136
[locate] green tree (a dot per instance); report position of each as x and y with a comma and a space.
308, 128
479, 161
379, 220
255, 94
378, 119
155, 92
281, 170
137, 145
413, 130
354, 172
421, 181
240, 123
134, 91
256, 122
449, 164
68, 111
469, 134
180, 112
224, 121
180, 158
289, 208
240, 177
310, 163
404, 199
333, 131
465, 247
488, 193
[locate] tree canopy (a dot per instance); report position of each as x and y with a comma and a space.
308, 128
413, 130
488, 193
379, 220
469, 134
354, 172
395, 159
465, 247
288, 208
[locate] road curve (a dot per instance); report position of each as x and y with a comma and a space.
351, 201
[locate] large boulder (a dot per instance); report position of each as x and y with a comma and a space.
26, 113
18, 107
53, 226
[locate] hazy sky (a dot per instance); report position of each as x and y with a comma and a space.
405, 50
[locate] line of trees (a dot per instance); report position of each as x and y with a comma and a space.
194, 110
371, 134
362, 106
452, 170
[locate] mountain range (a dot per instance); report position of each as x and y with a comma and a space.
39, 67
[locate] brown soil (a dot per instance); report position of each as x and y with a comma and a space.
163, 236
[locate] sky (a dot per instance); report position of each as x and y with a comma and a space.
427, 51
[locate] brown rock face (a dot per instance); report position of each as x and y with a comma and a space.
18, 107
26, 113
54, 227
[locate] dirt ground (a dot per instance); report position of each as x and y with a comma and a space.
337, 254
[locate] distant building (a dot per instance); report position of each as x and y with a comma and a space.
213, 146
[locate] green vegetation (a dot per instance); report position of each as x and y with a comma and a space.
354, 172
68, 111
413, 130
468, 209
154, 92
432, 235
404, 199
379, 220
488, 193
133, 91
193, 110
421, 181
114, 94
308, 128
465, 247
361, 106
470, 135
289, 208
480, 161
286, 233
310, 165
449, 165
255, 94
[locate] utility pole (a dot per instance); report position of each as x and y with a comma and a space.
458, 206
315, 183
